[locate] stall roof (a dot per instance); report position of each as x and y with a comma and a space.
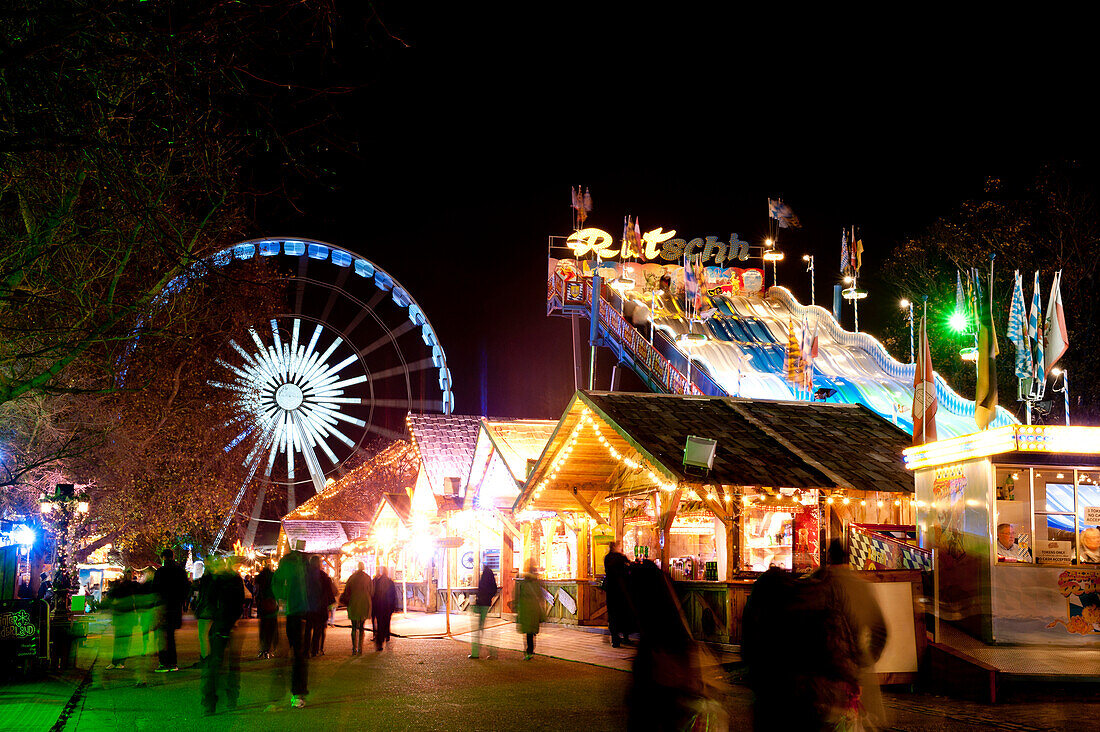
446, 445
503, 450
761, 443
356, 495
322, 537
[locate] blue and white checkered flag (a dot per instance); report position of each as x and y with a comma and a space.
1035, 335
1018, 329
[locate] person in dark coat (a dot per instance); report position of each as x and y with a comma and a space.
615, 566
486, 593
267, 609
357, 596
320, 597
292, 587
529, 609
45, 588
222, 666
383, 603
173, 586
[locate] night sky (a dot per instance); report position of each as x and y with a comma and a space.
473, 134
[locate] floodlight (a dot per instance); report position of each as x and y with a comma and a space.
699, 452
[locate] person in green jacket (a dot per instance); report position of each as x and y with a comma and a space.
290, 586
529, 608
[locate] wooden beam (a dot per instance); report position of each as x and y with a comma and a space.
714, 506
588, 508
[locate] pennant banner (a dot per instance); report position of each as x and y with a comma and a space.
924, 390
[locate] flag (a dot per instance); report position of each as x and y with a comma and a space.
581, 204
1038, 342
960, 304
924, 390
782, 213
857, 253
845, 256
985, 397
795, 374
1017, 329
808, 349
1057, 339
694, 280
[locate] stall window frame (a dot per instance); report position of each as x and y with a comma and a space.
1031, 470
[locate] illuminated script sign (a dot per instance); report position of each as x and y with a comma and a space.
20, 628
658, 243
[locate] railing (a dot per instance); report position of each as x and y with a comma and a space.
645, 355
869, 549
948, 397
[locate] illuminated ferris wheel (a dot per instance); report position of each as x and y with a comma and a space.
350, 356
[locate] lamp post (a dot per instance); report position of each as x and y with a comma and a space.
774, 256
809, 260
1065, 387
907, 305
62, 508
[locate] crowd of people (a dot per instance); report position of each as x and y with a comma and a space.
150, 605
677, 684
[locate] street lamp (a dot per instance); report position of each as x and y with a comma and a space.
1056, 372
809, 260
62, 508
907, 305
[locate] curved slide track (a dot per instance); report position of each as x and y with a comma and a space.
745, 355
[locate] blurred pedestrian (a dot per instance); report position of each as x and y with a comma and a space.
203, 605
221, 670
147, 609
856, 641
267, 609
357, 597
383, 603
486, 593
291, 585
120, 600
615, 566
320, 597
676, 685
173, 586
249, 595
529, 609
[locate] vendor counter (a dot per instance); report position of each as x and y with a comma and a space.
574, 602
714, 609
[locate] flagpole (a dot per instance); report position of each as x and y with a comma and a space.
924, 360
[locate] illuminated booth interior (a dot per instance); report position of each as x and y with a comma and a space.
1014, 517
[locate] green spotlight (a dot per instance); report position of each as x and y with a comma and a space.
958, 322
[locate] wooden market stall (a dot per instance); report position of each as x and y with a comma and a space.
785, 478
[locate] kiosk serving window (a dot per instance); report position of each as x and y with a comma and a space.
1053, 513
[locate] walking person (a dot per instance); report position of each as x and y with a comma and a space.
615, 566
203, 607
173, 586
222, 666
147, 609
120, 599
529, 608
383, 603
486, 593
357, 597
320, 597
267, 609
291, 586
